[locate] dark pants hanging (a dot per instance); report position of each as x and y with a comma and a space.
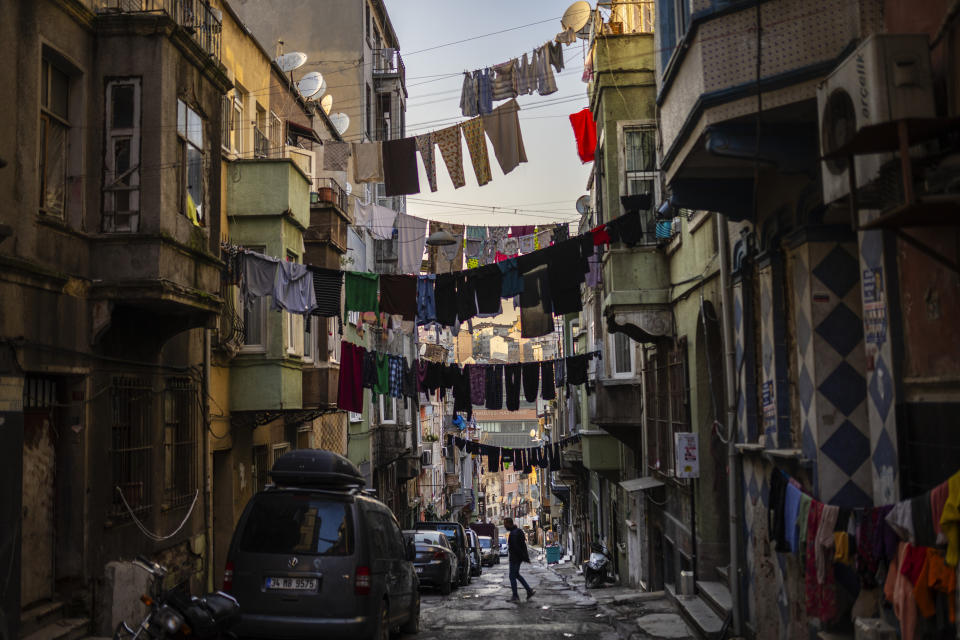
511, 380
531, 380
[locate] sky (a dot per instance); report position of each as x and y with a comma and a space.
545, 189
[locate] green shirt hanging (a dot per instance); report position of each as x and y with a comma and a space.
382, 385
361, 291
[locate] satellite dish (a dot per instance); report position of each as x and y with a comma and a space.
310, 84
576, 16
290, 61
349, 188
583, 205
326, 103
340, 121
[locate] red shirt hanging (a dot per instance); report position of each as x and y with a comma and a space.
585, 131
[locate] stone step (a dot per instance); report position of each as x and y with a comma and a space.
40, 615
724, 574
717, 596
65, 629
702, 619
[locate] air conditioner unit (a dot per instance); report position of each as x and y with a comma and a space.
886, 78
456, 499
426, 458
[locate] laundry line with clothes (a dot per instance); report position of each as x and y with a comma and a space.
905, 552
544, 283
523, 459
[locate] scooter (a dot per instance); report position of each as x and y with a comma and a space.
174, 613
595, 571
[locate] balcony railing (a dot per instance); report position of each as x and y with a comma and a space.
387, 62
196, 17
626, 16
261, 144
328, 190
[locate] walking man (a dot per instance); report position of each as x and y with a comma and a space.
517, 553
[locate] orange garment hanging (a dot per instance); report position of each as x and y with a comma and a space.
935, 576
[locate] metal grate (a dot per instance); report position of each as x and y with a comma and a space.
261, 465
131, 403
180, 418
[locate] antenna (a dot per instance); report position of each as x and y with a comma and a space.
326, 103
583, 205
290, 61
340, 122
311, 84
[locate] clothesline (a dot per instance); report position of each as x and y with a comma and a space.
523, 459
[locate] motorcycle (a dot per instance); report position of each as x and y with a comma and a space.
174, 613
595, 571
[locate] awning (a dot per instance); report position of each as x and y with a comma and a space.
640, 484
302, 131
731, 196
562, 492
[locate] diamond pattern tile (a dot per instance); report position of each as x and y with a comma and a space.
753, 489
805, 388
842, 329
884, 455
807, 443
881, 388
845, 388
800, 278
850, 495
839, 271
803, 332
871, 248
847, 447
737, 312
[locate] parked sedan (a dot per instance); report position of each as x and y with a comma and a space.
503, 547
435, 562
489, 554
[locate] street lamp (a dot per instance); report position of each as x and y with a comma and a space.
442, 238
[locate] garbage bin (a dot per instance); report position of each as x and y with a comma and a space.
553, 554
686, 583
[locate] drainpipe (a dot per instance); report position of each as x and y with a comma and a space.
723, 249
207, 506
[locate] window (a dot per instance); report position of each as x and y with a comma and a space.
261, 143
305, 436
192, 177
54, 137
367, 112
388, 410
121, 176
640, 174
295, 330
255, 320
278, 450
333, 341
261, 465
277, 139
131, 445
666, 401
179, 442
623, 355
311, 330
298, 524
236, 140
226, 122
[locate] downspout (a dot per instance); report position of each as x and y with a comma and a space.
207, 506
729, 351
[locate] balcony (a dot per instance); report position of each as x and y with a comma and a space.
326, 237
203, 23
261, 144
708, 80
616, 406
601, 451
265, 187
387, 63
636, 286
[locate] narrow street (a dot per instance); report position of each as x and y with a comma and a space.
561, 608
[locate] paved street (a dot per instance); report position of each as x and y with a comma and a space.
561, 608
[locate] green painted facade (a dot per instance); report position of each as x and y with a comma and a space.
601, 452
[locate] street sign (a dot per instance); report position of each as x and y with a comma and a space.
685, 446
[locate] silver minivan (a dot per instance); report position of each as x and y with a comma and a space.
313, 556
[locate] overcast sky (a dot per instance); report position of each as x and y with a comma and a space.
547, 186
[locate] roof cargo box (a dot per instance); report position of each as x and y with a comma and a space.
315, 468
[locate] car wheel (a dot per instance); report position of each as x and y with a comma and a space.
412, 625
446, 587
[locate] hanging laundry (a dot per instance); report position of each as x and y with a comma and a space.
336, 155
585, 133
473, 247
526, 77
349, 385
950, 520
462, 400
899, 590
938, 500
477, 146
820, 595
567, 269
361, 291
327, 288
935, 581
411, 239
400, 167
395, 375
522, 230
567, 36
535, 310
426, 303
469, 96
576, 369
487, 284
924, 533
559, 372
502, 126
495, 236
293, 289
595, 275
824, 540
466, 297
484, 90
452, 153
600, 235
398, 295
511, 281
425, 147
494, 387
505, 80
776, 529
664, 229
791, 507
478, 383
445, 293
510, 246
531, 380
544, 238
409, 380
628, 228
259, 276
381, 385
556, 55
375, 218
546, 83
527, 244
367, 162
493, 460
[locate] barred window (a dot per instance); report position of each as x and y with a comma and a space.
180, 451
665, 399
131, 447
261, 465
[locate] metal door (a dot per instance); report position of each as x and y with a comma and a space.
37, 546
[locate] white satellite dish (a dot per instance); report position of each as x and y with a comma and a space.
576, 16
583, 205
340, 122
290, 61
310, 84
326, 103
349, 188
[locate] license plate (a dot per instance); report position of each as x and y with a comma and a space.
292, 584
419, 569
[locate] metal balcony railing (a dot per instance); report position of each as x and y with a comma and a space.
261, 144
625, 16
196, 17
328, 190
387, 62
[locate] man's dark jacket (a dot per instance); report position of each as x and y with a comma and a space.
517, 546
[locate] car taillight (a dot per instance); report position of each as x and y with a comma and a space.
438, 555
362, 584
228, 578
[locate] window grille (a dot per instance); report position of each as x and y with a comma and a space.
180, 422
131, 445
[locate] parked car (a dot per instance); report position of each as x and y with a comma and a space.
488, 529
503, 547
435, 562
457, 536
476, 561
489, 554
313, 556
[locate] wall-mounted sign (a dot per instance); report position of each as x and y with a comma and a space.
687, 451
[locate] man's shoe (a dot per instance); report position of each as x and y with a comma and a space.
514, 599
530, 594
